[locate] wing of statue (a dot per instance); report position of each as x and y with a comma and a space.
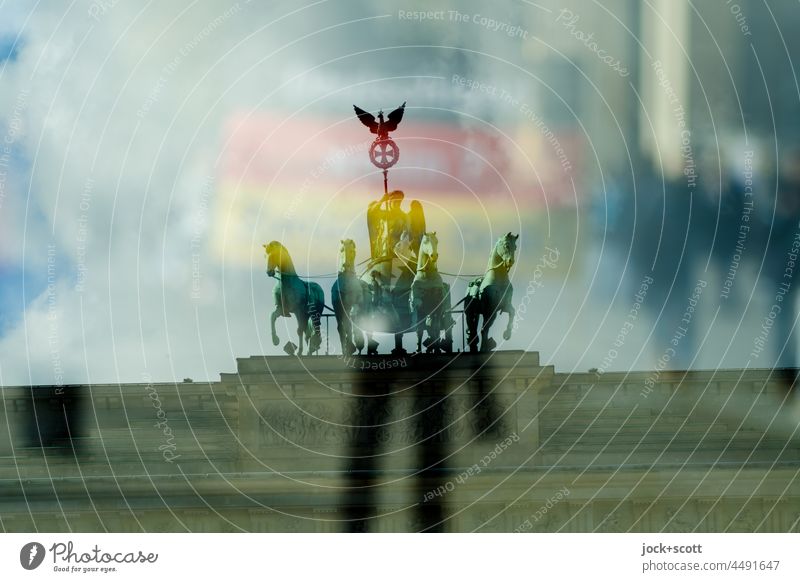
395, 117
367, 118
416, 219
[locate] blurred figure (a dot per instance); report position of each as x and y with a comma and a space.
372, 407
780, 266
720, 240
611, 215
434, 381
665, 242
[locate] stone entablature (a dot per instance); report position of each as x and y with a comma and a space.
277, 446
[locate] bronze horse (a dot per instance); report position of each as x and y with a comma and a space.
490, 295
430, 299
293, 296
351, 297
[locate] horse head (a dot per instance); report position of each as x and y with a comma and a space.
428, 250
347, 255
506, 249
402, 248
276, 255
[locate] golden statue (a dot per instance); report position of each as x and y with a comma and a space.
388, 224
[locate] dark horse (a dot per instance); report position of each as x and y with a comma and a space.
430, 299
293, 296
351, 300
491, 294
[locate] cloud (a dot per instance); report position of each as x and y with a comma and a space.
118, 130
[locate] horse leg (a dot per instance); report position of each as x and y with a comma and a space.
445, 321
361, 312
511, 314
416, 306
472, 313
342, 318
348, 347
445, 336
438, 314
486, 341
342, 329
356, 333
372, 345
272, 319
435, 330
357, 339
398, 345
472, 320
301, 324
433, 338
